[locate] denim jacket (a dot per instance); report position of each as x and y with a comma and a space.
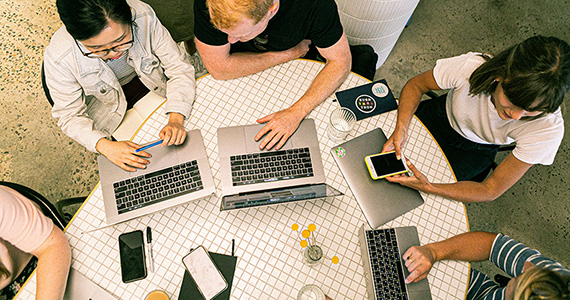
89, 103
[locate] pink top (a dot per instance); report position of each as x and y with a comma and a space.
23, 228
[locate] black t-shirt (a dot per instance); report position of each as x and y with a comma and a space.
296, 20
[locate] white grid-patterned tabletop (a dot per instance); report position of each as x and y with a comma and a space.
269, 255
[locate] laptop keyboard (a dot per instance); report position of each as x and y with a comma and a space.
271, 166
157, 186
387, 273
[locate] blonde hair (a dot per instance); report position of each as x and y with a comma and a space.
226, 14
541, 283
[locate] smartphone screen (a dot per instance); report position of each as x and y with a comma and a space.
132, 255
386, 164
208, 278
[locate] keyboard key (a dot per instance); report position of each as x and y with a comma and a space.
153, 187
387, 275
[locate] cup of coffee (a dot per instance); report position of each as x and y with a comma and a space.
156, 295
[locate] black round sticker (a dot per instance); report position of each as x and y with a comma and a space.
365, 104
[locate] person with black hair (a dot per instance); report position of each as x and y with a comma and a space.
514, 97
109, 54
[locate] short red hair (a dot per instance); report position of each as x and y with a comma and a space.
226, 14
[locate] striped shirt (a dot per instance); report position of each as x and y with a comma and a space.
510, 256
124, 72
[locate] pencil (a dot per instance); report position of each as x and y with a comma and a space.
148, 146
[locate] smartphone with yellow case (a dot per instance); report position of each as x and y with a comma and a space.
385, 164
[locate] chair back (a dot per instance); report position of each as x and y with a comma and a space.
44, 85
47, 208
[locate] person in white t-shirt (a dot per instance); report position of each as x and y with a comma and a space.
26, 232
514, 97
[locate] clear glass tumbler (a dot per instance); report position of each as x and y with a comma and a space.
341, 122
310, 292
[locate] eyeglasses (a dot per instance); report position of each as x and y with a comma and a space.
102, 53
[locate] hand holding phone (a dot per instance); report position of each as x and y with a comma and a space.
208, 278
385, 164
132, 255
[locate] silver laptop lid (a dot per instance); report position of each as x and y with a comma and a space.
380, 200
239, 140
406, 237
162, 157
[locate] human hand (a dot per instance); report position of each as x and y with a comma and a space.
396, 142
173, 133
123, 154
300, 49
418, 181
419, 261
280, 126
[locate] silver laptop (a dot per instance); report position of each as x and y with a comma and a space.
384, 268
175, 175
379, 200
253, 177
80, 287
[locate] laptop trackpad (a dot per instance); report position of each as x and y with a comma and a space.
162, 157
252, 146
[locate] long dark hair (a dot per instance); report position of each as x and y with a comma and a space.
534, 74
85, 19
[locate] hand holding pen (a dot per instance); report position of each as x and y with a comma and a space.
173, 133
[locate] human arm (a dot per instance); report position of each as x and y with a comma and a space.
507, 173
173, 133
471, 246
23, 225
179, 72
122, 154
410, 98
69, 100
282, 124
54, 260
224, 65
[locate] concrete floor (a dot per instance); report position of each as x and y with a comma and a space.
536, 211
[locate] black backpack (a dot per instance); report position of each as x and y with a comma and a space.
364, 59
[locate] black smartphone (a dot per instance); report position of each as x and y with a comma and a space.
132, 255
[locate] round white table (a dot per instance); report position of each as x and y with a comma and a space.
269, 263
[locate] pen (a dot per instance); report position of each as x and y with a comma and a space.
148, 146
233, 246
149, 244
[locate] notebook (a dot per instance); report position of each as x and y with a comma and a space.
175, 175
368, 100
253, 177
384, 268
379, 200
80, 287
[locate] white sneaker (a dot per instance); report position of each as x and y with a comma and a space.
195, 60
